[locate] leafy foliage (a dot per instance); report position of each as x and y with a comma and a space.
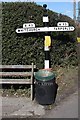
27, 48
78, 31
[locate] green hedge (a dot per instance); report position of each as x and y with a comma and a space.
78, 31
27, 48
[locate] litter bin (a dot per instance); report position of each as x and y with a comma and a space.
45, 87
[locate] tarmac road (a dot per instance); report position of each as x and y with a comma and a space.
66, 109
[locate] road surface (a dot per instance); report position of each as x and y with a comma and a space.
66, 109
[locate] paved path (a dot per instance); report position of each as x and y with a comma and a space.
66, 109
20, 107
24, 107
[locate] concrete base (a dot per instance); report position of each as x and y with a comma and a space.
20, 107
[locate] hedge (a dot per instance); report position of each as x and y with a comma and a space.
28, 48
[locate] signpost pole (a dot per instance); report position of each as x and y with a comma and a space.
47, 41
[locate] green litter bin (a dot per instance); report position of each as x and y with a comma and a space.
45, 87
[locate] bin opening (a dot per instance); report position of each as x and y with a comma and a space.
44, 75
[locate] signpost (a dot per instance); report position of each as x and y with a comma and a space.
44, 29
30, 27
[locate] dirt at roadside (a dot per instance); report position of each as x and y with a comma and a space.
67, 81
